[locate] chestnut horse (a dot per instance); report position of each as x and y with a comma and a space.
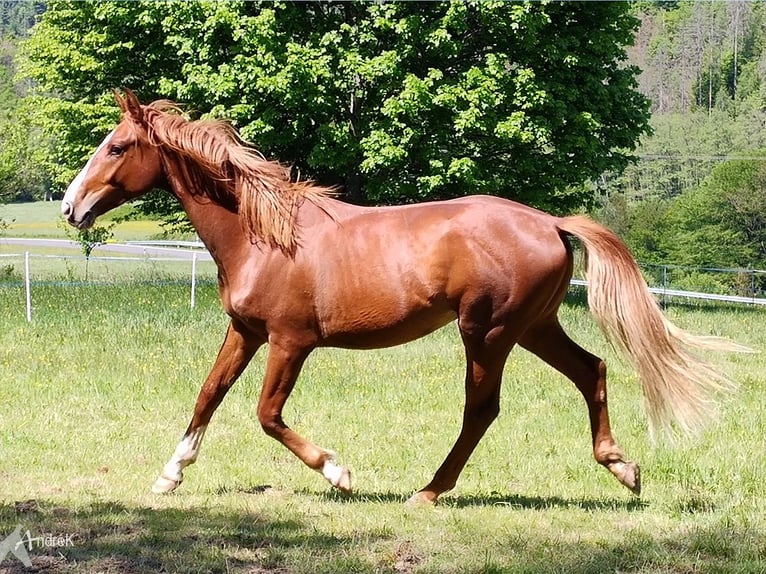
298, 270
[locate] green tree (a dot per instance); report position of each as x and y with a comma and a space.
26, 161
396, 102
20, 176
723, 222
720, 224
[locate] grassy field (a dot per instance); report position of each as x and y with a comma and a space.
43, 219
97, 390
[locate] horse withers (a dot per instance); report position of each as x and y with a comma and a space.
299, 269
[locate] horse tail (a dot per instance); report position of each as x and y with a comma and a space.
678, 386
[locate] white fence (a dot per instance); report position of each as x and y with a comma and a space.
185, 258
666, 293
177, 262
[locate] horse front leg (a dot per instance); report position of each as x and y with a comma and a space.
282, 369
237, 350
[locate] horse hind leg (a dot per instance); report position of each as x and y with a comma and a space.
588, 372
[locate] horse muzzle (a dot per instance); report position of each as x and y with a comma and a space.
85, 221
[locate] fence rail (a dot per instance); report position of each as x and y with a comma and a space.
184, 266
665, 292
195, 263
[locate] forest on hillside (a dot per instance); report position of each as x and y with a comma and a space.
696, 194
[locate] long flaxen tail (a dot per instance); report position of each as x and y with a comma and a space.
678, 386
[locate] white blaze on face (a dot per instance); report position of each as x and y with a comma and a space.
68, 202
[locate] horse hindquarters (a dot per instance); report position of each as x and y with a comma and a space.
496, 306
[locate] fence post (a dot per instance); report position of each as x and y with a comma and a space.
194, 280
28, 286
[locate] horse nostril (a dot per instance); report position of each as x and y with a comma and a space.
66, 209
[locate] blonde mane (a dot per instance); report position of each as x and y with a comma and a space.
218, 163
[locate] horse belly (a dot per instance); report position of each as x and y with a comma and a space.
371, 328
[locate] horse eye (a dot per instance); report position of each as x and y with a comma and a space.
116, 150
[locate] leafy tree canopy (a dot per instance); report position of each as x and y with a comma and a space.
720, 224
20, 174
395, 102
723, 222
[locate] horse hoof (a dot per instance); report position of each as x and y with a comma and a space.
629, 475
165, 485
632, 478
422, 498
344, 481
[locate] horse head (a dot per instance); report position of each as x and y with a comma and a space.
123, 167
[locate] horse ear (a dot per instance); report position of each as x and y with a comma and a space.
129, 104
119, 99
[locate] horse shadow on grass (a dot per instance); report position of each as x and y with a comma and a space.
112, 537
494, 499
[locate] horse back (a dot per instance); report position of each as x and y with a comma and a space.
375, 270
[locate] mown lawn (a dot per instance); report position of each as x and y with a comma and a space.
97, 390
43, 219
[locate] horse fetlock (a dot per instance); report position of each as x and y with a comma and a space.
608, 451
628, 473
338, 476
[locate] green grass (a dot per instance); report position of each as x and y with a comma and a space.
98, 389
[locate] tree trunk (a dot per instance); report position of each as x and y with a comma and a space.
353, 189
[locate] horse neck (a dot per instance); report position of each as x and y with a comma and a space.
217, 226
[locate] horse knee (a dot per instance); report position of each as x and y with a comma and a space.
490, 411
